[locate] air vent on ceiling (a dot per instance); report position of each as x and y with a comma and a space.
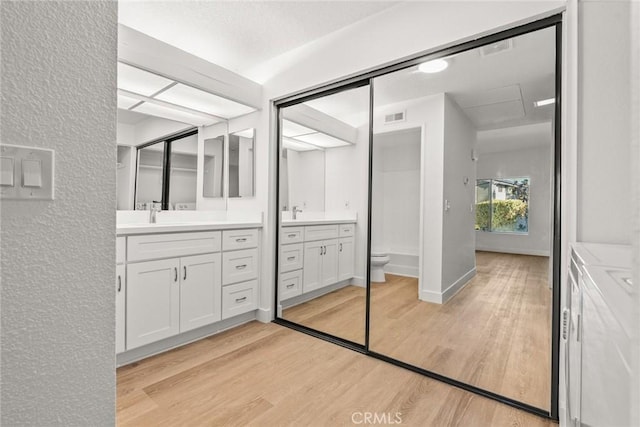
394, 118
493, 48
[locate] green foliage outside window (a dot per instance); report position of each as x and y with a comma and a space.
510, 215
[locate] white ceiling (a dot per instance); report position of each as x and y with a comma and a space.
495, 91
240, 35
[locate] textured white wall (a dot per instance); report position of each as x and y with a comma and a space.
537, 165
58, 91
458, 234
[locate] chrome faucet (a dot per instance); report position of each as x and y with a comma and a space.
153, 212
294, 212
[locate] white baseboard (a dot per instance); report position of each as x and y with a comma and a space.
179, 340
447, 294
313, 294
401, 270
359, 281
534, 252
264, 315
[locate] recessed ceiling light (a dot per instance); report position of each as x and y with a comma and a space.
434, 66
544, 102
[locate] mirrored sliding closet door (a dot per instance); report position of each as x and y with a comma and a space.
462, 216
323, 204
419, 215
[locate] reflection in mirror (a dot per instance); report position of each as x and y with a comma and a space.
150, 176
182, 182
323, 182
461, 217
213, 173
241, 163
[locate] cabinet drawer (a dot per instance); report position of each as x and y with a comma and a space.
239, 239
290, 285
291, 235
238, 266
291, 257
153, 246
239, 298
320, 232
346, 230
121, 246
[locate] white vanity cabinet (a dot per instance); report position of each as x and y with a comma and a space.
346, 251
121, 284
320, 264
239, 272
180, 281
315, 256
153, 301
200, 288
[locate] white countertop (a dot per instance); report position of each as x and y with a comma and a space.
137, 222
301, 222
129, 229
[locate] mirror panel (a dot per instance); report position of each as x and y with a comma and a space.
213, 172
184, 167
241, 163
453, 293
323, 198
150, 175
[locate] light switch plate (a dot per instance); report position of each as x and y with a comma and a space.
7, 171
34, 170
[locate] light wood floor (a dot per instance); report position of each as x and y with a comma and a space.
340, 313
268, 375
494, 334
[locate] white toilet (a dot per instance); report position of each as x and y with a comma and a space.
379, 258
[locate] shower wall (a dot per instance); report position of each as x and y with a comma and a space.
396, 199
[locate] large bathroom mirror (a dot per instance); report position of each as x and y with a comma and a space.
241, 163
213, 167
323, 224
463, 160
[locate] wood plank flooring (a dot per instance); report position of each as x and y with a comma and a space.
494, 334
268, 375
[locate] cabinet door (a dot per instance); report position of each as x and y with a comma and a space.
153, 305
346, 258
120, 307
200, 290
330, 262
312, 276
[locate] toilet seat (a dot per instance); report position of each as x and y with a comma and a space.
375, 253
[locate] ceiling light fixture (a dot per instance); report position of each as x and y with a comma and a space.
145, 92
434, 66
543, 102
295, 145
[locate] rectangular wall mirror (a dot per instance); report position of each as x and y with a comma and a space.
241, 163
213, 171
